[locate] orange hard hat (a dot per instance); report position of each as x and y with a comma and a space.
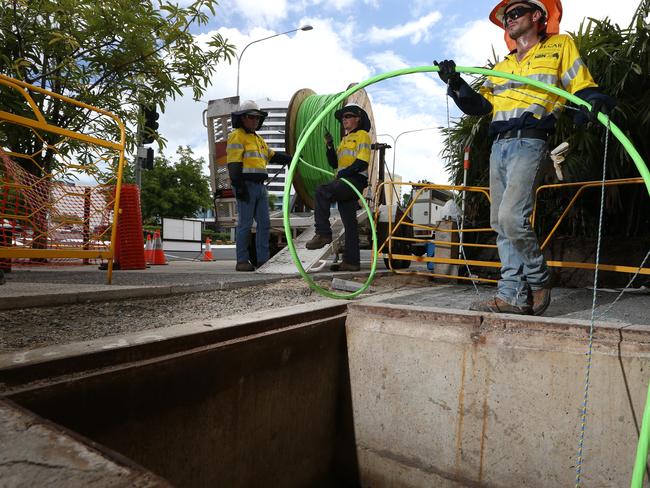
552, 9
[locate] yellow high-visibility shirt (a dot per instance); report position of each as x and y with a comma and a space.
555, 61
250, 149
355, 145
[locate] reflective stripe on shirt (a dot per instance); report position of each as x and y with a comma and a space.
554, 61
353, 146
249, 149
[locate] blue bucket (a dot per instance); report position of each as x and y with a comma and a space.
431, 251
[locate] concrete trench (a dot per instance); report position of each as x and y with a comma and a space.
329, 394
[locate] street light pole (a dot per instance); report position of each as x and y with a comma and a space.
407, 132
240, 55
391, 175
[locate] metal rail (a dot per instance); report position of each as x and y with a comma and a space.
386, 248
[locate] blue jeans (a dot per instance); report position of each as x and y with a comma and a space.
255, 207
516, 167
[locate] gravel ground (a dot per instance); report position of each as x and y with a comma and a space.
38, 327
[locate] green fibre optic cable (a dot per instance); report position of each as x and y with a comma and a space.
336, 100
314, 153
644, 437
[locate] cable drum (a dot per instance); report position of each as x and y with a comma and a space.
303, 108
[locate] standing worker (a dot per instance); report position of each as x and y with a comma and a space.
522, 119
351, 162
248, 156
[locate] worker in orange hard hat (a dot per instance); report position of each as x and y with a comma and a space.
522, 119
552, 10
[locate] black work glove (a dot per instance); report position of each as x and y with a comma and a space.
590, 117
287, 161
329, 140
448, 74
344, 173
241, 192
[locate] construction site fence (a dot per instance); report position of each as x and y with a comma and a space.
60, 185
396, 226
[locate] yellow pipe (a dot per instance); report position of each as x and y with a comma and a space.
444, 243
35, 124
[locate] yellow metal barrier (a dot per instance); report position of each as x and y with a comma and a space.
385, 249
60, 200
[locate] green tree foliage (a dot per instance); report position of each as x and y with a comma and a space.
175, 190
619, 61
111, 54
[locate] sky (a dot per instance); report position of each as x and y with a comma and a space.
351, 41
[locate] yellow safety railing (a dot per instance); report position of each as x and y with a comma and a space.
385, 248
67, 208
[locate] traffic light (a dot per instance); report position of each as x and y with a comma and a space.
149, 130
145, 157
148, 161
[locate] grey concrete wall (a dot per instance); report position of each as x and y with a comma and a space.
464, 399
261, 406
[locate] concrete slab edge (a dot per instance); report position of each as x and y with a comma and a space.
123, 292
63, 352
478, 324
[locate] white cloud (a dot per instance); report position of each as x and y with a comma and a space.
575, 11
414, 86
335, 4
262, 13
416, 30
473, 45
417, 154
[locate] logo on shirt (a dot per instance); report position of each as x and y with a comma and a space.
553, 55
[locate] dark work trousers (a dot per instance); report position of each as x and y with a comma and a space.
338, 191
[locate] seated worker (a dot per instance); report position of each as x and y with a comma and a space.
248, 156
351, 162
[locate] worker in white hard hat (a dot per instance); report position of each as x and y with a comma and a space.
350, 160
248, 156
522, 119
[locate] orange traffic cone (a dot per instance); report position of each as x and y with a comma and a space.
148, 250
207, 254
158, 255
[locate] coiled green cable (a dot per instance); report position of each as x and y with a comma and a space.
314, 151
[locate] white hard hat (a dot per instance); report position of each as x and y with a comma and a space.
250, 107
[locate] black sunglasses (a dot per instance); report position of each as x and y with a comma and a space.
515, 13
350, 116
251, 116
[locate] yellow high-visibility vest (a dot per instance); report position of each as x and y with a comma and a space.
353, 146
555, 61
250, 149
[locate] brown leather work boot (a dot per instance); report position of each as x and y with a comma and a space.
244, 266
343, 266
497, 305
541, 300
318, 241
